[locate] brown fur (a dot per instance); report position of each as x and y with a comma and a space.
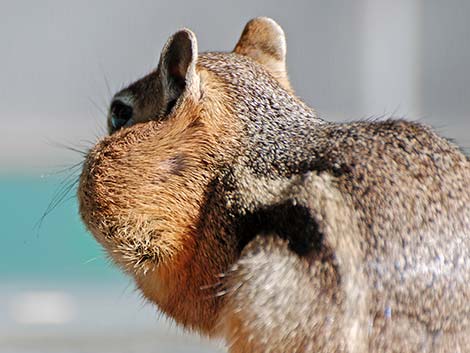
159, 242
240, 213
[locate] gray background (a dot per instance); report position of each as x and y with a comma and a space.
348, 59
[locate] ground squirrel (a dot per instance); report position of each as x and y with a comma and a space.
241, 214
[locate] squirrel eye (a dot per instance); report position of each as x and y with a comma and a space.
121, 113
170, 106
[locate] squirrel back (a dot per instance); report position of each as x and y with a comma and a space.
241, 213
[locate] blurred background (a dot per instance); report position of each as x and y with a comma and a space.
60, 63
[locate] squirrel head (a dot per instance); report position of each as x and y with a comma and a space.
144, 189
156, 95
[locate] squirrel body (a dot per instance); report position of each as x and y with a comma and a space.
241, 214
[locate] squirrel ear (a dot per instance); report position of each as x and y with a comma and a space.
177, 67
263, 40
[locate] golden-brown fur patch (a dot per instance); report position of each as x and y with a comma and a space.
141, 195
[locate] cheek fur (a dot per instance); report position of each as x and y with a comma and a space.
171, 166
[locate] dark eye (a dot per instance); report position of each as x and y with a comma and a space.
170, 106
121, 113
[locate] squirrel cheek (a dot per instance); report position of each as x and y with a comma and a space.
169, 167
165, 166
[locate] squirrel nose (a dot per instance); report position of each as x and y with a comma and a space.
121, 113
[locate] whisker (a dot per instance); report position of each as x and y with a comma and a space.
103, 130
100, 109
60, 196
90, 260
64, 169
106, 82
78, 149
100, 129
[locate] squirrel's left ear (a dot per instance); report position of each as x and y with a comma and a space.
177, 67
263, 40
